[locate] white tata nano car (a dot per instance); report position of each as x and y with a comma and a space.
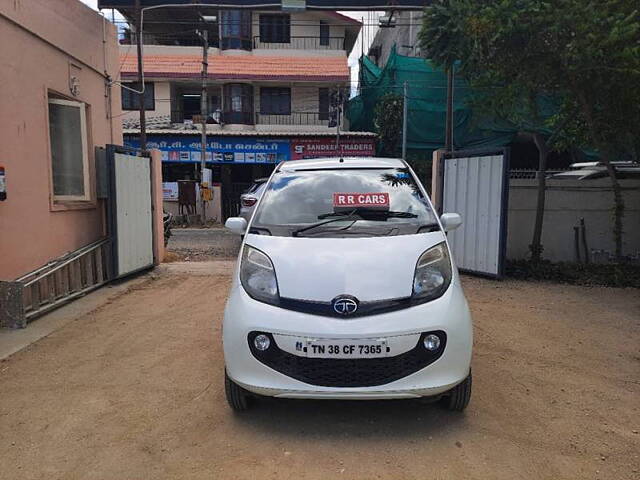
345, 289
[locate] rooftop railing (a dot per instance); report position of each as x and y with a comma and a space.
301, 43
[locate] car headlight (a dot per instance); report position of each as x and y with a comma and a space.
258, 277
433, 274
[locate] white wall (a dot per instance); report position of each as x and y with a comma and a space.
566, 202
403, 36
305, 99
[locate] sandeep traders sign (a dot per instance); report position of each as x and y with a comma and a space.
302, 148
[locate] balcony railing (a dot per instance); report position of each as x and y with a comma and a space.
169, 39
302, 43
258, 118
191, 39
294, 118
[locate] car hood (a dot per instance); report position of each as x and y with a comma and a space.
319, 269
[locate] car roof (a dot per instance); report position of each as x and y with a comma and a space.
338, 162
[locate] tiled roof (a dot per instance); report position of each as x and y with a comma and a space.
240, 67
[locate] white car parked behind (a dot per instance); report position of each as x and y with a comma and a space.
345, 289
249, 199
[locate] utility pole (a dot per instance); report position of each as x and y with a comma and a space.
338, 115
449, 119
143, 113
204, 35
405, 118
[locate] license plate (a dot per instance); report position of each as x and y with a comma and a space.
347, 348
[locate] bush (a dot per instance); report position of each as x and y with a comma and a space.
388, 118
609, 275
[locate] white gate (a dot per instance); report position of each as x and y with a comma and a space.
475, 185
130, 210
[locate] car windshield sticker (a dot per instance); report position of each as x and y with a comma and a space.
361, 200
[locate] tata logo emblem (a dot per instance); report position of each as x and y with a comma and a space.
345, 305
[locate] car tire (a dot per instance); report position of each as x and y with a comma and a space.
237, 397
458, 398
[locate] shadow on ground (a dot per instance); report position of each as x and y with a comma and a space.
371, 419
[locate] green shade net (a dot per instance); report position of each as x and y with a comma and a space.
427, 93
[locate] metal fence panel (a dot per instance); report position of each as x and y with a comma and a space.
474, 187
132, 213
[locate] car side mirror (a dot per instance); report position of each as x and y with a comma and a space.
450, 221
237, 225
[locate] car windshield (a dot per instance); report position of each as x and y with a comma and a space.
255, 187
343, 203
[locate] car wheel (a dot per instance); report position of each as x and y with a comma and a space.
237, 397
458, 398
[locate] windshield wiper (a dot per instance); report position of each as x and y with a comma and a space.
370, 212
355, 215
428, 227
340, 216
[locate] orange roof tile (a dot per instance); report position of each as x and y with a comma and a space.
250, 67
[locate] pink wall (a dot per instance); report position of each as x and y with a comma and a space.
157, 203
41, 42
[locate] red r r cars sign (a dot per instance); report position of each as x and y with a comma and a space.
361, 200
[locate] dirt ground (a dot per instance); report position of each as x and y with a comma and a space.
203, 244
134, 390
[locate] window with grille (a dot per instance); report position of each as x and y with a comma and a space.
275, 29
323, 103
238, 103
275, 101
131, 100
235, 29
324, 33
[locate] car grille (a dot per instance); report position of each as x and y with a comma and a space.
364, 308
334, 372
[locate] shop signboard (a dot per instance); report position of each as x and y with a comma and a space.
186, 149
170, 190
302, 148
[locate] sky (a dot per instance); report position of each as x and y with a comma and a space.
92, 3
366, 36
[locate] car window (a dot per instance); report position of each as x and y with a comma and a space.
296, 199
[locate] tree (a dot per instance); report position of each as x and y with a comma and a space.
584, 55
388, 122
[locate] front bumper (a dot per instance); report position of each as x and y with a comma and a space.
448, 314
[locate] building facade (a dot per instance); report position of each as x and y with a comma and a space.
404, 37
275, 83
58, 59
